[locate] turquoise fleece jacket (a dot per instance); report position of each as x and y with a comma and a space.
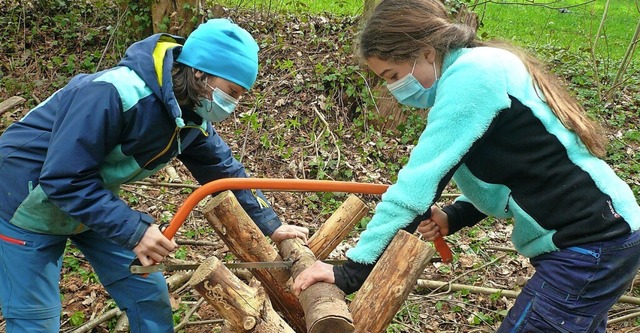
487, 106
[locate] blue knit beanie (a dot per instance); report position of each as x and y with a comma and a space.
222, 48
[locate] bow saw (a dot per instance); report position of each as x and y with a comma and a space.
273, 184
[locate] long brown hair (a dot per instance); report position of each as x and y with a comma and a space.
398, 30
187, 88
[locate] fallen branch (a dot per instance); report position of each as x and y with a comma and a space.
501, 248
390, 282
337, 227
469, 272
178, 279
177, 185
122, 325
196, 242
333, 136
245, 308
10, 103
623, 318
91, 324
430, 284
185, 321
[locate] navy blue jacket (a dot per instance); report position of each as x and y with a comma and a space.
62, 164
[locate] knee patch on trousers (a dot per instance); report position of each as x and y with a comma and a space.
17, 312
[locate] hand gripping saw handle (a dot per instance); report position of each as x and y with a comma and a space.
287, 185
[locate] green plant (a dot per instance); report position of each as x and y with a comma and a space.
407, 316
76, 266
480, 318
77, 318
181, 253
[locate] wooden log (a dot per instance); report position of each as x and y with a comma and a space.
246, 241
10, 103
245, 309
389, 283
323, 303
337, 227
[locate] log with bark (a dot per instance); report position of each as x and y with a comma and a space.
389, 283
337, 227
244, 239
323, 303
245, 308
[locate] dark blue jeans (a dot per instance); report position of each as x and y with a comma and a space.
573, 289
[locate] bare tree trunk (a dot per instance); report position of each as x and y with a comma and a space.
178, 17
244, 308
390, 282
323, 303
367, 9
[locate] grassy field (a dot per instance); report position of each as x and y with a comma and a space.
572, 24
568, 23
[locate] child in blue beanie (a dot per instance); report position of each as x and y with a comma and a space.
62, 165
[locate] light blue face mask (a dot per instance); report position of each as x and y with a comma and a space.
218, 108
409, 91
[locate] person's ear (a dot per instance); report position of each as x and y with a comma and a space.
430, 54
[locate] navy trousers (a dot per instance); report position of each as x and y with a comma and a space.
29, 275
573, 289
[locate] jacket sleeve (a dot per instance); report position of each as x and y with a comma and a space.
210, 158
462, 214
87, 125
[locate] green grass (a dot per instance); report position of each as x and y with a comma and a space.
534, 25
526, 23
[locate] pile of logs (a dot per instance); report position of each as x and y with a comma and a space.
267, 303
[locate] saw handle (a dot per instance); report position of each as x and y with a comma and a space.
136, 262
443, 250
308, 185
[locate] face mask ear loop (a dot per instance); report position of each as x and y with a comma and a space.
204, 80
414, 66
435, 71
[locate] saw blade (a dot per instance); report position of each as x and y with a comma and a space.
165, 267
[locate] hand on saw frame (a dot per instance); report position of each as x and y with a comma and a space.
154, 246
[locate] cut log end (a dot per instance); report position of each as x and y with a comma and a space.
332, 324
249, 323
204, 271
